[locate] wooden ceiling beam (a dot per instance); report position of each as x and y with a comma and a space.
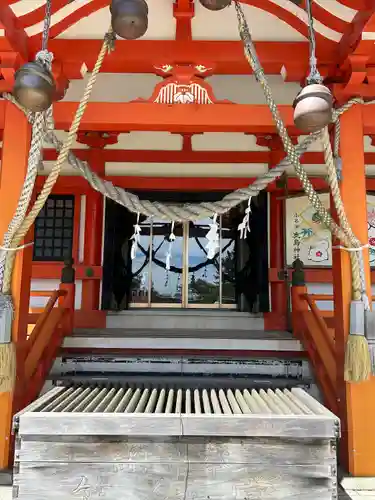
352, 42
193, 118
356, 4
183, 11
182, 156
14, 33
225, 57
179, 118
71, 184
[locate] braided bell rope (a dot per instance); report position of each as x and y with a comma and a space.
107, 46
178, 212
358, 282
336, 230
188, 211
40, 125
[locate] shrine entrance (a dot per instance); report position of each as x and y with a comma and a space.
176, 272
190, 279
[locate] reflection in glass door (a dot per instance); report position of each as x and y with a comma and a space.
140, 285
203, 274
166, 285
193, 280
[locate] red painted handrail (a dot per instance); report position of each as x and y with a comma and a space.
311, 328
45, 340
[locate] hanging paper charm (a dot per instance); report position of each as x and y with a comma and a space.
213, 238
136, 237
171, 239
244, 227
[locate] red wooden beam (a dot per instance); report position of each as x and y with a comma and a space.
14, 32
183, 11
185, 156
351, 41
123, 117
356, 4
192, 118
75, 184
140, 56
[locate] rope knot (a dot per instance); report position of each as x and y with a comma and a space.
110, 38
45, 57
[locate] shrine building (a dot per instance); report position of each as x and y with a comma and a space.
187, 203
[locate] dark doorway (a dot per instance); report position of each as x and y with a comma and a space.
237, 277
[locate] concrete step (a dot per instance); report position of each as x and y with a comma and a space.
170, 319
180, 339
298, 368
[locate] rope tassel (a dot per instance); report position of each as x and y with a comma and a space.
370, 334
23, 220
7, 354
357, 355
357, 363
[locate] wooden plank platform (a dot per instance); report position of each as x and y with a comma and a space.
97, 442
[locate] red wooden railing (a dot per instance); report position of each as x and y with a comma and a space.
45, 339
310, 327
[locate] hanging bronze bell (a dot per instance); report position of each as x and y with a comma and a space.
313, 108
129, 18
215, 4
34, 87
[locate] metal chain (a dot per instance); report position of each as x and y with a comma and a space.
314, 76
47, 24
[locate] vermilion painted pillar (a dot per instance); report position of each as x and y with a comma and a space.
356, 401
16, 141
93, 235
279, 301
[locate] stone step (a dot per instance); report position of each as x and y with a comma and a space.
298, 368
176, 339
149, 319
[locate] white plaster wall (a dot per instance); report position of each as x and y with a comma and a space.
124, 87
186, 169
327, 289
220, 25
52, 284
322, 289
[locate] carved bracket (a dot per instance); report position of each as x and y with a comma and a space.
62, 83
273, 141
358, 76
97, 140
183, 85
9, 64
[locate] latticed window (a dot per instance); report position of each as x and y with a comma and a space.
53, 238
